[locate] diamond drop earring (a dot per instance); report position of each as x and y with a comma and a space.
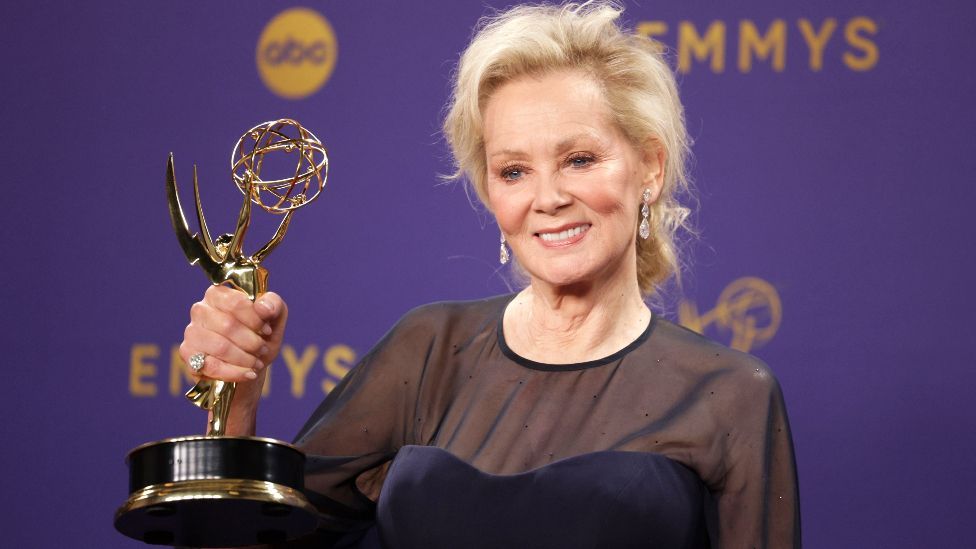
645, 226
503, 256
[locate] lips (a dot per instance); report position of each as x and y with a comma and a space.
563, 235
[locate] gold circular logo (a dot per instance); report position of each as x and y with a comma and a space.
752, 309
296, 53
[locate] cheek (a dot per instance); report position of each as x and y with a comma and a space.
508, 209
607, 204
611, 198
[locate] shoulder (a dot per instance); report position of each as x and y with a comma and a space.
421, 344
441, 312
741, 375
443, 318
427, 334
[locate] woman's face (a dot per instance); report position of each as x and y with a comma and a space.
563, 181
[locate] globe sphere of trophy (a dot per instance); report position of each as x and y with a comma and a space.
217, 490
289, 193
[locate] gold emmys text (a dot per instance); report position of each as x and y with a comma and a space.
146, 369
711, 44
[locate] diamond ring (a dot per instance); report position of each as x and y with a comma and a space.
196, 362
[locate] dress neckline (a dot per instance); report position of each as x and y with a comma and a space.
573, 366
568, 461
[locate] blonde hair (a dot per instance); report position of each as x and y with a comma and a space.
638, 85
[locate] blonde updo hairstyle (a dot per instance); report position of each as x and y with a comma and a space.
638, 85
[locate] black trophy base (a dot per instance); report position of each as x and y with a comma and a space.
216, 492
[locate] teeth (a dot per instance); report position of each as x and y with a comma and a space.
563, 235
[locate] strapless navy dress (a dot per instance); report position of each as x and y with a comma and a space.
442, 437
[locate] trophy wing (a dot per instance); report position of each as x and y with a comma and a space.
192, 246
204, 236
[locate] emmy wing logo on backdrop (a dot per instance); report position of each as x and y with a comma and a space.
748, 309
297, 53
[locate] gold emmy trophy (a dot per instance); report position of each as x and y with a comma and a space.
217, 490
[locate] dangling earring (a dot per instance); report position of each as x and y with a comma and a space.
645, 226
503, 256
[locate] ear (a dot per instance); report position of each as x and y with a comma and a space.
653, 160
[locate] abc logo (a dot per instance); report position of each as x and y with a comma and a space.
296, 53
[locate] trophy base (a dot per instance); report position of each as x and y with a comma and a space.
216, 492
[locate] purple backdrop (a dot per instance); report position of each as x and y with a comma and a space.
840, 180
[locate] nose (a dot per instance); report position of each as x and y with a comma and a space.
550, 195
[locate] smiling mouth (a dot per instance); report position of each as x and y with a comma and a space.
564, 235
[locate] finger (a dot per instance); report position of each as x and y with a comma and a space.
236, 303
227, 325
215, 368
274, 311
199, 340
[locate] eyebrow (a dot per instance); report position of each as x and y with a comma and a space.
568, 142
561, 145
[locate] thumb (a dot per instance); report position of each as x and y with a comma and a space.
270, 307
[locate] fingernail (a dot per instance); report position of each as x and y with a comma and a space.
266, 330
264, 350
258, 365
250, 374
267, 305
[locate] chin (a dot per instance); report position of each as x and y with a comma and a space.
564, 278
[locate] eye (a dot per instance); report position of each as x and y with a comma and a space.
512, 172
580, 159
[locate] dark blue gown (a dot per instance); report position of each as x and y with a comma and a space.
442, 437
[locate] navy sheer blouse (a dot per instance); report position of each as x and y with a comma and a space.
444, 437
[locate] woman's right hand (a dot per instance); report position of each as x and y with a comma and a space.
239, 340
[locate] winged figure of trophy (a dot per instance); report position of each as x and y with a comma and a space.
224, 259
218, 490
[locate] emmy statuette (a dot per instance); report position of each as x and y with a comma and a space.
217, 490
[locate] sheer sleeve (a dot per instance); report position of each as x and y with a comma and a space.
361, 424
758, 501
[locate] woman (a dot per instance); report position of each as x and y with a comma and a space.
566, 415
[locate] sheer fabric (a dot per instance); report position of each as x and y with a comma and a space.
673, 423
